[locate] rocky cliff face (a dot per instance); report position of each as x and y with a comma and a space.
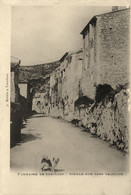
36, 71
37, 76
109, 119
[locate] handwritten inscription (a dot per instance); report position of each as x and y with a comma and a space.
7, 90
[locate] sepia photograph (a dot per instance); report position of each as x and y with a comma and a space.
65, 97
69, 98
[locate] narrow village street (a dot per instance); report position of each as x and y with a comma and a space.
77, 150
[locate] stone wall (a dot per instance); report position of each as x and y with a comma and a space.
89, 61
40, 103
121, 119
36, 71
64, 85
106, 51
108, 119
113, 50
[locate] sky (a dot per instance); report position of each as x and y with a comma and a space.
43, 34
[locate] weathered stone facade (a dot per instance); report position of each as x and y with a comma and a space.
108, 119
40, 95
106, 51
36, 71
40, 103
105, 66
64, 85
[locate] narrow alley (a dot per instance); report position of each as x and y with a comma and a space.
77, 150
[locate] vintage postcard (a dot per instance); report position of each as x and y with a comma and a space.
65, 97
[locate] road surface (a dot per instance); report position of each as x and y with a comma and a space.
77, 150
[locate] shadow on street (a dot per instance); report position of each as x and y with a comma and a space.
30, 137
37, 116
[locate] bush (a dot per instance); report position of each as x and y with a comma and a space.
104, 91
83, 100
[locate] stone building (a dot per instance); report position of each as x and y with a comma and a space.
15, 110
106, 51
25, 98
105, 77
15, 62
91, 87
64, 84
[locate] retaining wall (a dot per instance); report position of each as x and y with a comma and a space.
109, 119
